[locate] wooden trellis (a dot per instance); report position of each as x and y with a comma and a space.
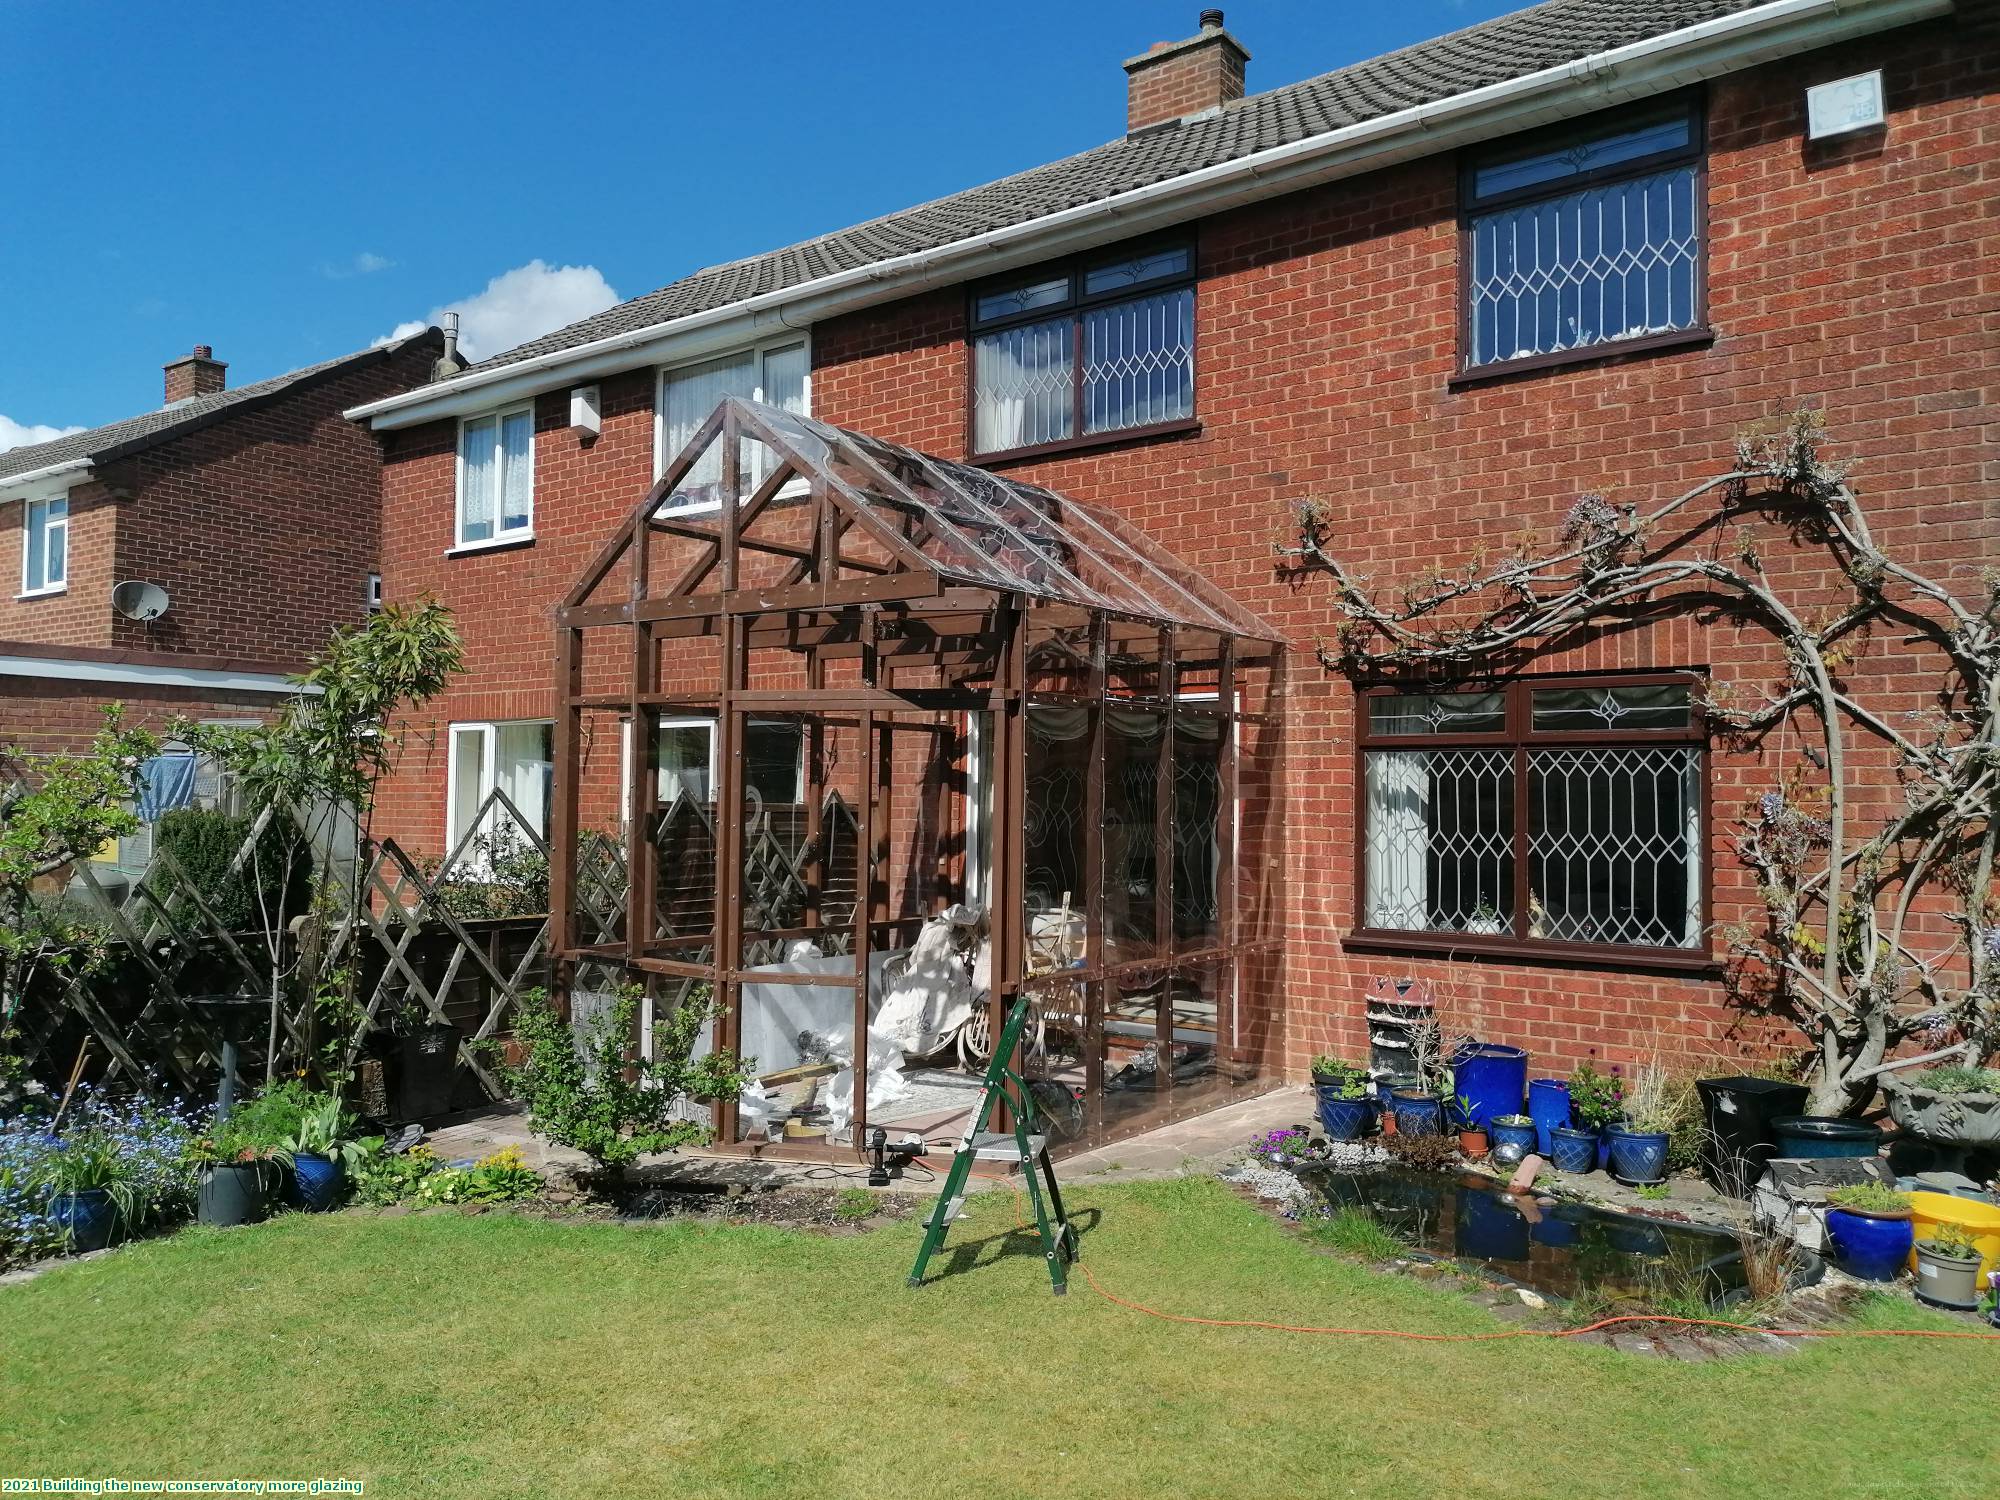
405, 945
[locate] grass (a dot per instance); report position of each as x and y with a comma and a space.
1355, 1231
499, 1356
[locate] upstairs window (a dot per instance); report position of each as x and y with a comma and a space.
1551, 814
1577, 242
496, 478
45, 546
775, 374
1103, 344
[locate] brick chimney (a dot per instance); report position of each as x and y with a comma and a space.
1178, 79
196, 374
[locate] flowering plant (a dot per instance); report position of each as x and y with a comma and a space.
138, 1151
1291, 1147
1596, 1099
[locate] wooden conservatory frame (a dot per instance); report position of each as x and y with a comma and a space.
781, 567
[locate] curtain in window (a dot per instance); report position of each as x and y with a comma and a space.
522, 771
517, 436
692, 394
681, 756
479, 460
55, 544
1023, 384
1399, 823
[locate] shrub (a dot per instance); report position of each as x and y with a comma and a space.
586, 1088
1349, 1078
203, 842
1431, 1153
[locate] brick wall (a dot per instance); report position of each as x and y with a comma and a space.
49, 716
1858, 276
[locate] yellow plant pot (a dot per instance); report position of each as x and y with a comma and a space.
1980, 1220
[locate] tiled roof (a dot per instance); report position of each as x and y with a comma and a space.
1512, 46
115, 439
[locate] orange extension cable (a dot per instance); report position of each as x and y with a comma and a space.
1510, 1333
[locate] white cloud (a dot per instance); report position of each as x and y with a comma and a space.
367, 263
20, 434
519, 305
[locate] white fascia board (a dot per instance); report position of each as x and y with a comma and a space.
136, 674
38, 484
1657, 65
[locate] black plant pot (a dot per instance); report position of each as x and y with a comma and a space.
427, 1067
1738, 1113
235, 1193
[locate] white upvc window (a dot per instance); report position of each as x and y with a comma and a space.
45, 546
777, 373
513, 759
496, 478
684, 762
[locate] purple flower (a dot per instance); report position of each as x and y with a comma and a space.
1772, 804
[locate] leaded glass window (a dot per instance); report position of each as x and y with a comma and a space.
1102, 345
1584, 240
1536, 813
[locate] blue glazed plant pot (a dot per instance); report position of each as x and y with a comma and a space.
88, 1218
1513, 1138
1638, 1156
1604, 1134
1341, 1119
1417, 1114
1572, 1150
1871, 1248
315, 1182
1548, 1107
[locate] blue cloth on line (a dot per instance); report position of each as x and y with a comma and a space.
166, 784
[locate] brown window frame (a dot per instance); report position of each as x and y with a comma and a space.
1519, 734
1076, 303
1472, 206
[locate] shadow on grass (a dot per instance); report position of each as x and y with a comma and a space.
1021, 1241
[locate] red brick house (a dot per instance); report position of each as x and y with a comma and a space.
184, 561
1442, 293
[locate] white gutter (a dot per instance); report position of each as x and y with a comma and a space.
1656, 65
14, 486
69, 669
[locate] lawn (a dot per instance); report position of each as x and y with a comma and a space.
500, 1356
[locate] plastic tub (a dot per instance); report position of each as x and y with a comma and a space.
1739, 1113
1822, 1135
1492, 1078
1980, 1220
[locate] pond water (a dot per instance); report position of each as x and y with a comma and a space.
1562, 1248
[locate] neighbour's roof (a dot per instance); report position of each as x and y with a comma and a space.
116, 439
1494, 52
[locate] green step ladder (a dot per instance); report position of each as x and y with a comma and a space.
1025, 1145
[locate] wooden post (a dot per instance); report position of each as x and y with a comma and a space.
563, 814
864, 873
1093, 880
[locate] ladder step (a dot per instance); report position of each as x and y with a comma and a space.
994, 1145
954, 1208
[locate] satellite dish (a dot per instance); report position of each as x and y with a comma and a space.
137, 599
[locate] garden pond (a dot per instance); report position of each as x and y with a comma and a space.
1562, 1248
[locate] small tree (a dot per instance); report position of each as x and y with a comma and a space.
587, 1088
65, 811
306, 775
1837, 952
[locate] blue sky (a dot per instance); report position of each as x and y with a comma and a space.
290, 182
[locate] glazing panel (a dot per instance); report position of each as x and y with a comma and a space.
1133, 741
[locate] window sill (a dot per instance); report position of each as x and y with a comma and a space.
1695, 965
497, 544
48, 593
1653, 343
1181, 428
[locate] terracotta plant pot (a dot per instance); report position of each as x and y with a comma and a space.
1472, 1144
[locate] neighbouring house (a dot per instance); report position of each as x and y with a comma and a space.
185, 561
1440, 293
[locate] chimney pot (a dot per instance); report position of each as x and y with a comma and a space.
1173, 80
196, 374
